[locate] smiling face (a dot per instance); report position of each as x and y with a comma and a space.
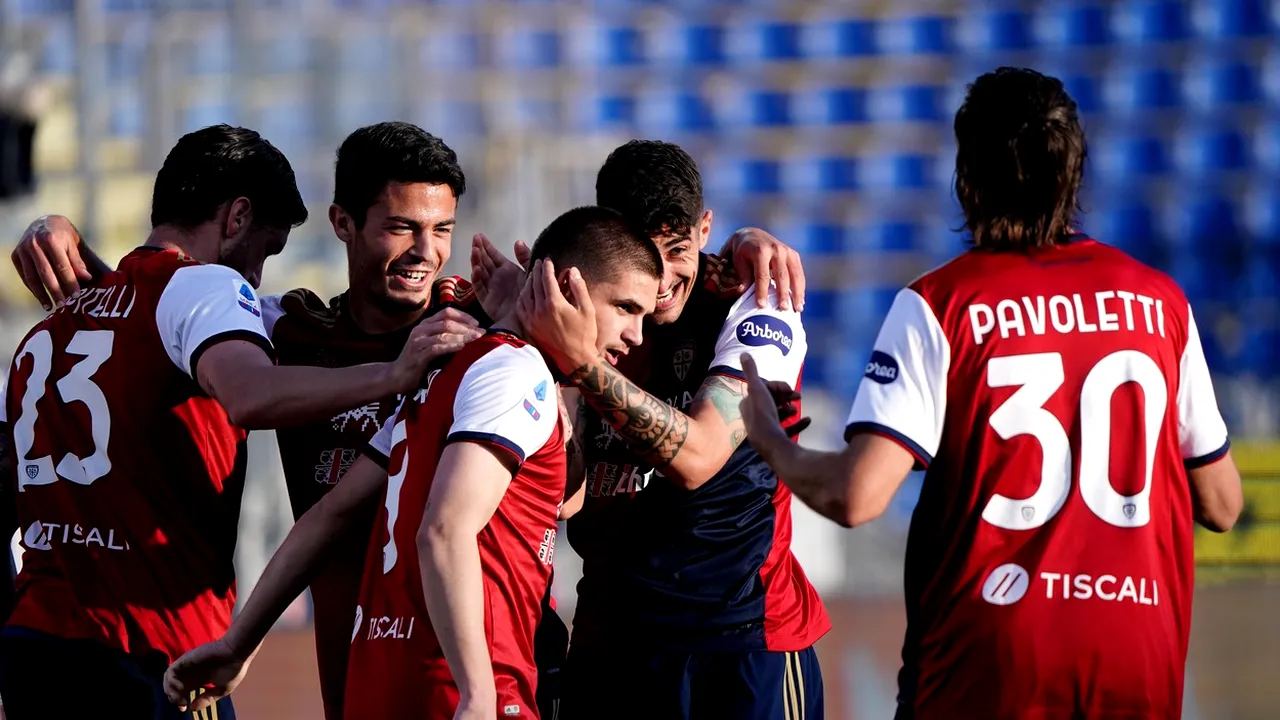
621, 304
394, 258
679, 268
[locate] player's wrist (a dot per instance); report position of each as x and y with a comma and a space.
241, 644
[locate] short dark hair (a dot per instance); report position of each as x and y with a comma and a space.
1019, 159
654, 184
600, 242
376, 155
217, 164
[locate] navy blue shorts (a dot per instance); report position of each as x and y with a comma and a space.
759, 685
42, 676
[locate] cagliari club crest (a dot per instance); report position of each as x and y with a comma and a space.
682, 361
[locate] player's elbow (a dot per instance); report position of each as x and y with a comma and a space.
246, 412
1217, 495
860, 511
1221, 516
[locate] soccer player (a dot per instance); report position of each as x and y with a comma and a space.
464, 544
691, 603
129, 405
396, 193
1056, 391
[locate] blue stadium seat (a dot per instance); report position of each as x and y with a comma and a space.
663, 112
887, 236
607, 112
832, 106
1218, 83
450, 118
533, 49
1228, 19
366, 53
732, 175
1142, 88
113, 6
1130, 225
862, 307
767, 40
1211, 149
853, 38
1086, 90
906, 171
1151, 21
458, 48
1191, 274
907, 103
1261, 276
819, 306
125, 59
768, 108
1122, 158
704, 44
998, 30
623, 46
1072, 24
920, 35
1267, 145
804, 175
1203, 218
1260, 352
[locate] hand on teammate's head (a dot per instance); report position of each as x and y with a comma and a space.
48, 260
497, 280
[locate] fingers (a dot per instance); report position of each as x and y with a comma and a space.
778, 268
762, 278
798, 427
753, 376
741, 269
795, 271
174, 690
523, 253
578, 293
544, 287
44, 271
30, 278
782, 391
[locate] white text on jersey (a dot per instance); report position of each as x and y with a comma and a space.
1105, 311
1104, 587
115, 301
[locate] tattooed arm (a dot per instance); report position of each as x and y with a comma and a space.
690, 449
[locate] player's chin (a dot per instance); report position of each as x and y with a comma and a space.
404, 300
671, 311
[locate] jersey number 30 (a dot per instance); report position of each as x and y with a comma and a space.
1037, 378
76, 386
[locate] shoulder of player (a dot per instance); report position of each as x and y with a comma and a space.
719, 279
498, 358
303, 305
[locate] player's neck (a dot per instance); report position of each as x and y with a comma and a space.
194, 243
509, 323
373, 320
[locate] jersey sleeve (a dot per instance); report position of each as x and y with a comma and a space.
903, 394
203, 305
506, 399
272, 310
1202, 435
775, 340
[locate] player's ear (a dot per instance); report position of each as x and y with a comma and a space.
239, 217
704, 229
344, 226
562, 279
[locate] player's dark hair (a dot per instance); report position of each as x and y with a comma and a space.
390, 152
654, 184
1019, 160
600, 242
217, 164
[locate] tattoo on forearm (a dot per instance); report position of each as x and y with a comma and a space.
653, 428
725, 395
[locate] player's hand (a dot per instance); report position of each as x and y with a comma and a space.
48, 260
760, 409
209, 672
496, 279
441, 334
558, 316
757, 254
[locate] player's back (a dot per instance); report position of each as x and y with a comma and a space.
1049, 564
129, 476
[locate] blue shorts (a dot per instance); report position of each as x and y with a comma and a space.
42, 676
759, 685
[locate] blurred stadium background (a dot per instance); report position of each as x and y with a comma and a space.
826, 122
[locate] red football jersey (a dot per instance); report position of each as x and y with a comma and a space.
496, 391
1056, 398
128, 476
